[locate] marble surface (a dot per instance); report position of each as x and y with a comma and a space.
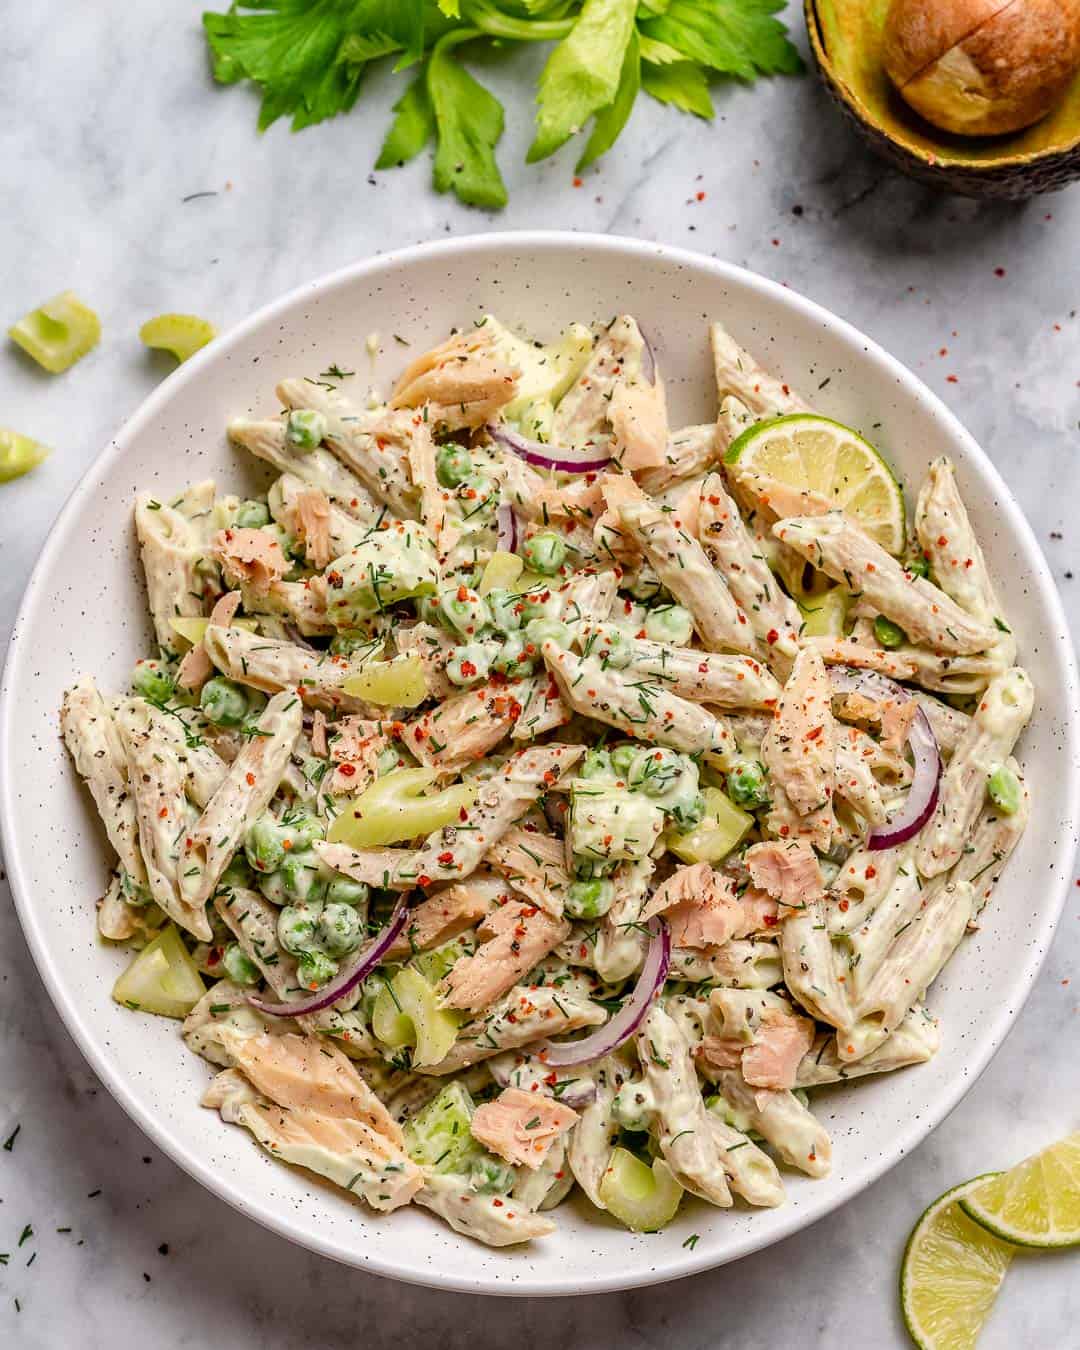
117, 122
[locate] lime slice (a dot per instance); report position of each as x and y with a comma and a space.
1036, 1203
812, 453
950, 1275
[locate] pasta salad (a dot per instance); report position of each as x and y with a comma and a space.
525, 797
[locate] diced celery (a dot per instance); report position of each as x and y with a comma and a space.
408, 1006
389, 1022
392, 809
18, 454
398, 683
824, 615
501, 572
643, 1198
181, 334
59, 333
545, 371
439, 1136
162, 979
194, 630
721, 829
437, 963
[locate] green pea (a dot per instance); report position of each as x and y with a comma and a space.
490, 1176
341, 929
478, 496
305, 428
264, 845
512, 658
239, 967
506, 610
390, 758
296, 929
655, 771
152, 681
469, 665
342, 890
300, 829
544, 552
251, 515
223, 702
589, 899
465, 611
272, 886
622, 757
919, 567
616, 651
303, 877
238, 873
643, 583
315, 969
689, 814
747, 785
430, 610
539, 631
542, 603
1004, 790
630, 1108
889, 634
669, 623
453, 464
596, 764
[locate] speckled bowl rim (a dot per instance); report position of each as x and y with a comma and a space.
683, 1262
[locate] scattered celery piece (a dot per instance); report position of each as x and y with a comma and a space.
194, 630
721, 829
392, 809
58, 333
162, 979
407, 1011
501, 572
181, 334
18, 454
438, 1136
824, 615
398, 683
643, 1198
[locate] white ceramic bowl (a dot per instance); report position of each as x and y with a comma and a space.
84, 610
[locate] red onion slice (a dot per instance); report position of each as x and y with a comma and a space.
508, 529
346, 980
629, 1017
922, 797
564, 458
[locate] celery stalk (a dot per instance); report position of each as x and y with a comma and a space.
643, 1198
392, 809
723, 826
181, 334
398, 683
18, 454
58, 333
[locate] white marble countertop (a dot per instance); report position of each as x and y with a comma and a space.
111, 121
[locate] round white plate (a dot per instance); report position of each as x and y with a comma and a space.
84, 611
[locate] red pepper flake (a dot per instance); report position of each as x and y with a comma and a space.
446, 858
163, 813
579, 182
871, 872
772, 636
999, 271
424, 880
699, 196
346, 770
249, 778
952, 379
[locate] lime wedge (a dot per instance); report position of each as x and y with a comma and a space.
810, 453
1037, 1202
950, 1275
